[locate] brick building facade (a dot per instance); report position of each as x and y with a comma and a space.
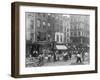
79, 29
47, 27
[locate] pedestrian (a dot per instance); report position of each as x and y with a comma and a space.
86, 56
49, 58
65, 56
70, 55
54, 58
78, 58
41, 60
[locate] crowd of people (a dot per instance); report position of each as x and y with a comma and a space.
48, 56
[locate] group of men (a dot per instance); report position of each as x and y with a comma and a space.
50, 56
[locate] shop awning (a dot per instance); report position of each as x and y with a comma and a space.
61, 47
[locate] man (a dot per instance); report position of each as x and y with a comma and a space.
65, 56
78, 58
35, 54
41, 59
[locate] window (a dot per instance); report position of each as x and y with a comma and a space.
61, 38
53, 16
48, 36
44, 23
28, 35
41, 36
71, 33
67, 40
31, 24
79, 33
44, 27
75, 34
57, 37
48, 24
71, 26
44, 15
38, 23
67, 34
67, 30
32, 37
56, 17
38, 14
77, 26
38, 36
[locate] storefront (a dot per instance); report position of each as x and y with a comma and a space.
60, 51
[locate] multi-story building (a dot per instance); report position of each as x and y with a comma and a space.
59, 35
46, 26
79, 29
30, 26
40, 32
39, 27
45, 29
29, 31
66, 28
62, 28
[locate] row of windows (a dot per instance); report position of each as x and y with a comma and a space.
38, 24
79, 26
59, 38
39, 37
45, 15
66, 29
43, 23
80, 19
79, 34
